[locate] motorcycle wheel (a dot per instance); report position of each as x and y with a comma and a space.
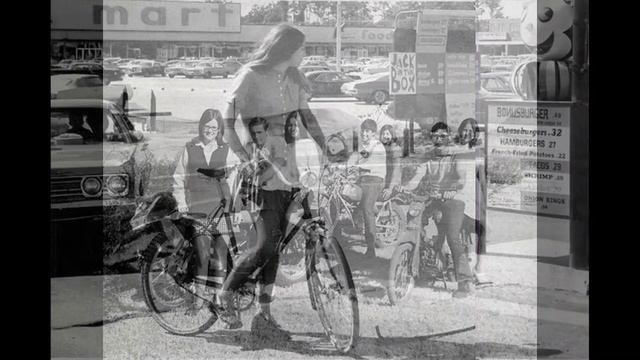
401, 282
332, 292
291, 269
169, 289
389, 228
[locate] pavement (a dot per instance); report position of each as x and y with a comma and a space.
525, 286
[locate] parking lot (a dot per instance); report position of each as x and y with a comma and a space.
188, 98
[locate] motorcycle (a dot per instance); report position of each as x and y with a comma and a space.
416, 256
339, 204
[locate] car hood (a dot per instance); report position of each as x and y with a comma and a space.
106, 155
110, 92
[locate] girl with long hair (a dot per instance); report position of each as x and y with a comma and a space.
269, 86
468, 139
392, 147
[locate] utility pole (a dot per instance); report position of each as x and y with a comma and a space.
579, 138
338, 34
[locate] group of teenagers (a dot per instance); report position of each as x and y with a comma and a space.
447, 174
267, 103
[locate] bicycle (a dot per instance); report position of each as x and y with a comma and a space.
169, 283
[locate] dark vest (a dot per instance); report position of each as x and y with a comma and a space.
201, 192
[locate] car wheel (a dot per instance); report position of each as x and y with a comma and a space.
225, 75
189, 76
171, 76
207, 76
379, 97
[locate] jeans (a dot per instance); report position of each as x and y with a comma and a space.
269, 226
474, 226
450, 225
371, 188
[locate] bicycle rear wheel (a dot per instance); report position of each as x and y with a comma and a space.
333, 292
169, 288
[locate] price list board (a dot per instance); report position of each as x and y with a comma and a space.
528, 143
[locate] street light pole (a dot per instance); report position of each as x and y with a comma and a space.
338, 34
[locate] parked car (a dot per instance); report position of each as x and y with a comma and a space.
309, 68
314, 58
87, 86
96, 174
349, 66
327, 82
371, 89
171, 63
376, 67
180, 68
127, 65
315, 63
231, 65
108, 73
145, 68
65, 63
123, 62
110, 60
206, 69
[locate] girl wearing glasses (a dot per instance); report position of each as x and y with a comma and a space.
196, 193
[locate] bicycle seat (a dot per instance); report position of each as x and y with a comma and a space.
216, 174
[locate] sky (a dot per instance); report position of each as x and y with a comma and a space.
511, 8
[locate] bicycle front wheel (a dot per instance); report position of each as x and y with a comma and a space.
333, 292
170, 290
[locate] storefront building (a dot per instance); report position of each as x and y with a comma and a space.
500, 37
166, 30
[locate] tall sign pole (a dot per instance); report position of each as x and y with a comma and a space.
579, 244
338, 34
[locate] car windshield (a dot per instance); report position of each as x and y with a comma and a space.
79, 126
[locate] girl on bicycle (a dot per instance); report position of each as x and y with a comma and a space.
269, 86
195, 192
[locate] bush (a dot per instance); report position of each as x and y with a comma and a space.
504, 170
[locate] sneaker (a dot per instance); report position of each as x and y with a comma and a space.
228, 312
265, 326
481, 279
465, 288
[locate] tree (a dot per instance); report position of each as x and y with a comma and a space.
270, 13
493, 6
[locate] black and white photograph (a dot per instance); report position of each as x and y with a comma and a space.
266, 179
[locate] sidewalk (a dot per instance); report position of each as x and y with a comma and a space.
548, 256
